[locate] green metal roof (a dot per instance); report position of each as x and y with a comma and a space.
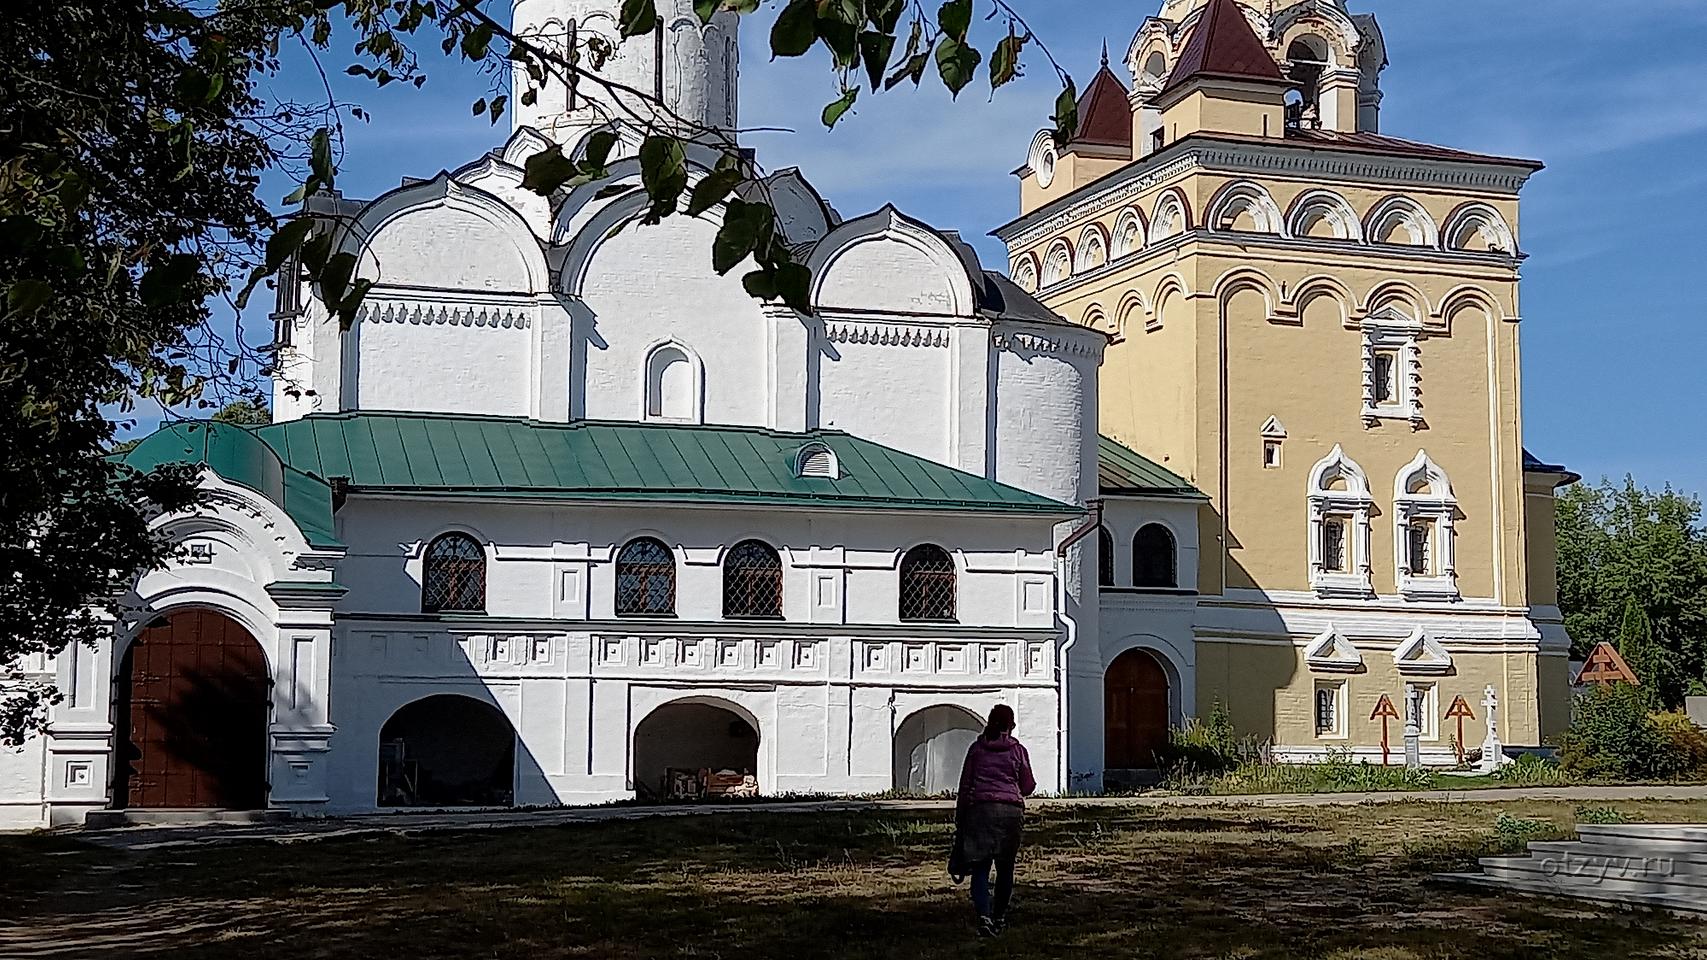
239, 457
1121, 470
475, 456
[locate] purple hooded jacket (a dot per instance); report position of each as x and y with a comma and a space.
996, 771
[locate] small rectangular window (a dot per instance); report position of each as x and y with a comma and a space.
1271, 454
1328, 710
1385, 388
1421, 709
1417, 550
1333, 545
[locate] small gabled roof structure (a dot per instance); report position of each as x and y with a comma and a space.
1105, 112
1421, 653
1331, 652
1223, 46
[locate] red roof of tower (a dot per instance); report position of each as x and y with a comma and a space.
1105, 112
1224, 46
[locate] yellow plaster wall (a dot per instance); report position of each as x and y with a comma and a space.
1270, 693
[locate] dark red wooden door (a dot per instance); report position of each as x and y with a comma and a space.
1135, 710
193, 705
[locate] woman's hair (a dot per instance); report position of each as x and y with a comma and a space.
1001, 721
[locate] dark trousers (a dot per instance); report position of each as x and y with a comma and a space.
1004, 886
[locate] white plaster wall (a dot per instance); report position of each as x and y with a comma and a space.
884, 274
442, 367
1045, 419
22, 769
896, 395
649, 285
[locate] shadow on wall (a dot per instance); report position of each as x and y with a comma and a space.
1245, 678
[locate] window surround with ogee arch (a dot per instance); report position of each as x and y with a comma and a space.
1339, 537
1424, 512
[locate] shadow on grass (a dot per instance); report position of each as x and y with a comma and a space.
1124, 883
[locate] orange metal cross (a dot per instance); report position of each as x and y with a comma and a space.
1460, 711
1385, 712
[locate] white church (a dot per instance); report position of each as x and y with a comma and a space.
566, 517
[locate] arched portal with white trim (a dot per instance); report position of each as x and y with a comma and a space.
930, 749
694, 747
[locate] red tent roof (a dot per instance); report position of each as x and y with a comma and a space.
1225, 46
1105, 112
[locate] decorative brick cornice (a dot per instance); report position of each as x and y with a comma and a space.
884, 334
445, 314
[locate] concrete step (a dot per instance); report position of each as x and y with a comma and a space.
114, 819
1644, 877
1688, 861
1687, 905
1674, 838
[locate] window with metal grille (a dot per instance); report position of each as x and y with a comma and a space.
927, 584
1385, 364
1417, 550
1333, 545
1153, 557
645, 579
453, 575
1327, 711
1105, 557
752, 581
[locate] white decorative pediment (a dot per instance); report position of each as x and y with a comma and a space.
1331, 652
1273, 429
1421, 653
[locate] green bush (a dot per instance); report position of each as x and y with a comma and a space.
1513, 834
1532, 770
1206, 746
1613, 736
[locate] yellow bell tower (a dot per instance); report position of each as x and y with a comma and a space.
1316, 324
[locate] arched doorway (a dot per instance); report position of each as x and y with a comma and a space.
930, 747
191, 713
693, 748
1135, 711
447, 750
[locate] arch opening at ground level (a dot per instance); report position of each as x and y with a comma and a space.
696, 749
447, 750
193, 699
1136, 697
930, 748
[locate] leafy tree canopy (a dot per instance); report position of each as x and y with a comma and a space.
1633, 571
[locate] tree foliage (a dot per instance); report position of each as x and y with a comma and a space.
1633, 570
135, 137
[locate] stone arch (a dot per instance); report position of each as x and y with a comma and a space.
1312, 291
1242, 279
685, 736
1133, 312
925, 273
1093, 249
1315, 209
1057, 263
1397, 295
513, 260
1478, 228
1171, 293
1025, 272
1469, 297
1402, 221
1171, 216
930, 746
1130, 230
447, 750
192, 710
1244, 206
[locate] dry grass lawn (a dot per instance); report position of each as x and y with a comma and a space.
1095, 882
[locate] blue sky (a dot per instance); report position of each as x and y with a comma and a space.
1611, 95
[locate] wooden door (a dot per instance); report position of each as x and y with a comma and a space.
1135, 710
192, 711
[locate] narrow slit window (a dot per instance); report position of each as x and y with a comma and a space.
1333, 545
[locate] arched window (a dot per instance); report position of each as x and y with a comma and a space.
1424, 514
672, 385
927, 584
752, 581
1153, 563
1340, 505
645, 579
453, 575
1105, 557
1307, 59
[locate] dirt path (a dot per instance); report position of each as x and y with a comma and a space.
165, 837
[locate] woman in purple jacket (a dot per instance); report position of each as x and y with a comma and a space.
994, 783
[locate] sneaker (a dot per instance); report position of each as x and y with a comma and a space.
988, 927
